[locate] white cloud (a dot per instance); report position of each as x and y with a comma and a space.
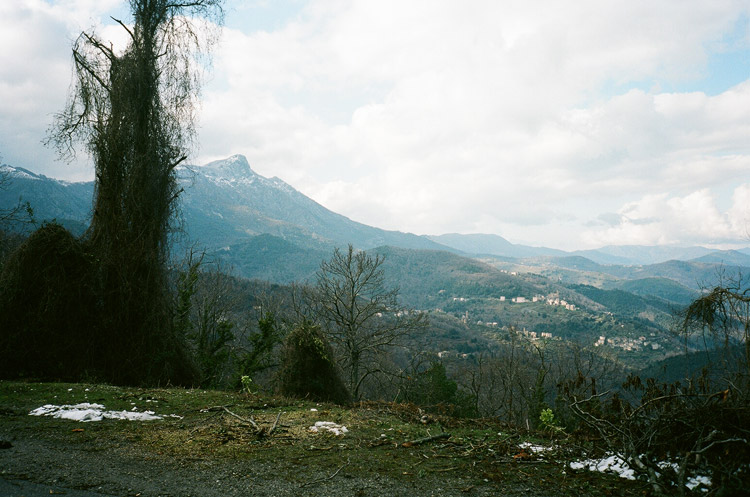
35, 55
664, 219
522, 118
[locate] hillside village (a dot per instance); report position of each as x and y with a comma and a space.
626, 344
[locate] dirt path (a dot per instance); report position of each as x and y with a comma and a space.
33, 467
25, 488
209, 451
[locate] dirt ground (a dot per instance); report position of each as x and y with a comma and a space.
120, 471
210, 453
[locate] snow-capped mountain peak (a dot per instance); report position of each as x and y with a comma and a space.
235, 167
18, 172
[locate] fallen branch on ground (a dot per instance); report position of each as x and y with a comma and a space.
249, 421
275, 423
420, 441
326, 478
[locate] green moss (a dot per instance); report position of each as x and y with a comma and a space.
480, 452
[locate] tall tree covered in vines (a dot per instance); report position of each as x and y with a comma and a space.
134, 111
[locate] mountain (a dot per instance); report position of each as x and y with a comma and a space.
423, 274
483, 244
728, 257
223, 203
620, 255
227, 208
690, 275
662, 288
604, 258
68, 203
269, 258
641, 254
263, 228
576, 262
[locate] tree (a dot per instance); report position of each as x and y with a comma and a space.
21, 212
361, 317
697, 425
307, 367
433, 389
10, 218
721, 317
204, 308
134, 111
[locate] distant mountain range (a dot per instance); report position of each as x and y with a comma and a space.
628, 255
70, 203
481, 244
225, 205
263, 228
225, 202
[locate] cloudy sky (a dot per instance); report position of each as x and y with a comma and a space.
567, 124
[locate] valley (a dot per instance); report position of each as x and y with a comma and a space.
620, 302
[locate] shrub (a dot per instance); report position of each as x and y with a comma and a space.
433, 390
48, 308
307, 369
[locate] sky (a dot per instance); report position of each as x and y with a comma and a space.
571, 125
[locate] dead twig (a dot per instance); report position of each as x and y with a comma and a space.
326, 478
275, 423
445, 470
421, 441
260, 432
249, 421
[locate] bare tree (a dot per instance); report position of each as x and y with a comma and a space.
673, 432
722, 316
205, 314
361, 317
134, 111
11, 218
698, 425
21, 212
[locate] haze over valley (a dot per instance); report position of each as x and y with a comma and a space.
619, 299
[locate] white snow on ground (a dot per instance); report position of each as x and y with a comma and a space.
615, 463
694, 481
85, 412
330, 426
534, 448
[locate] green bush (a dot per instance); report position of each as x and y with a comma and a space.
48, 309
307, 369
433, 390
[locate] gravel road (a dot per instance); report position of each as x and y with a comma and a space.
34, 468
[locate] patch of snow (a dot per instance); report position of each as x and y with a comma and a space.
86, 412
329, 426
83, 412
616, 464
694, 481
612, 463
17, 173
535, 448
281, 185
